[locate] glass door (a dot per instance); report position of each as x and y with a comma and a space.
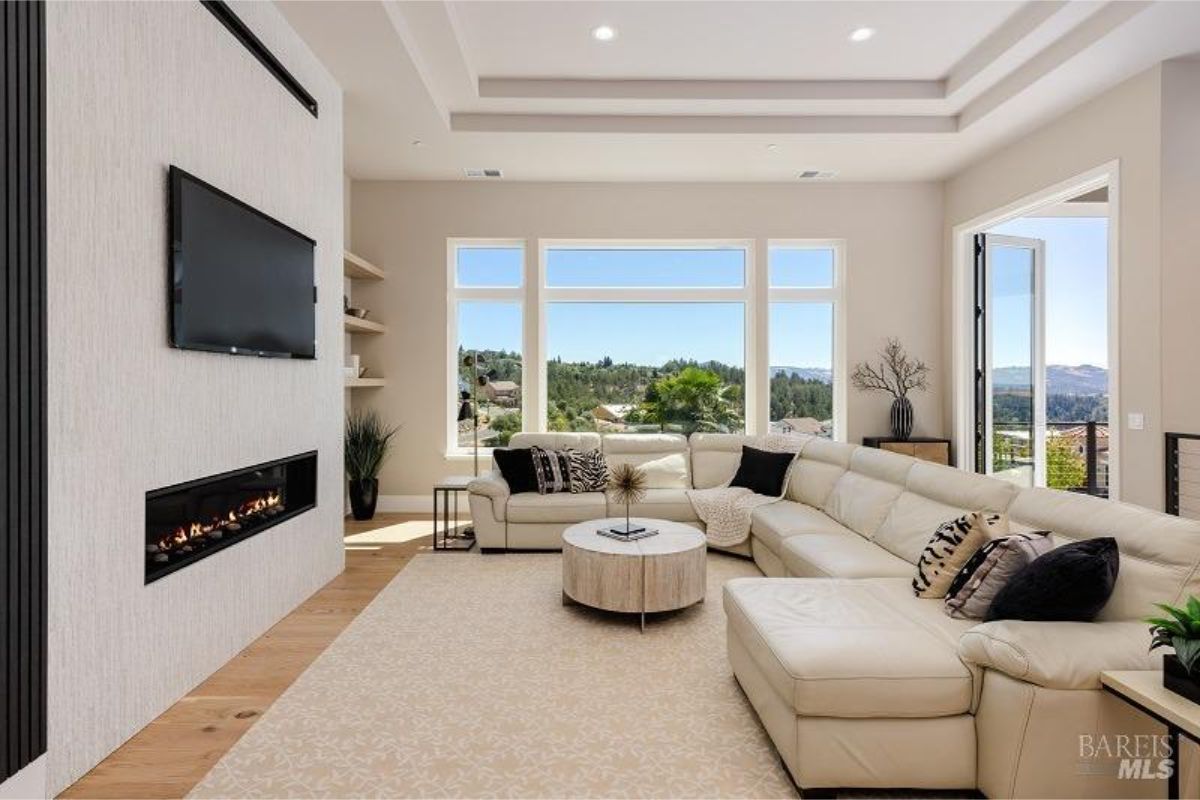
1010, 363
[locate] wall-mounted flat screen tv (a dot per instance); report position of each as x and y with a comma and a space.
241, 282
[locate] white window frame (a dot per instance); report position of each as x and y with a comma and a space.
834, 295
963, 288
743, 294
755, 295
496, 294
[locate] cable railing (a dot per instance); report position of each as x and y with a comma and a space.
1076, 455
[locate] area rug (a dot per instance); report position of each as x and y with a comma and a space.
467, 677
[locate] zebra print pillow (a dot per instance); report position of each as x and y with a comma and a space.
952, 545
589, 470
552, 468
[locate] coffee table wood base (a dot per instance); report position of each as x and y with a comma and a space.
660, 573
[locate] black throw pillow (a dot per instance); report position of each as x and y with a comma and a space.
516, 465
1069, 584
762, 472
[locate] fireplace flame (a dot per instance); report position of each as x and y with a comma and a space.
199, 530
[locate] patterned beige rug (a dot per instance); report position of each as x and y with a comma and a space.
467, 677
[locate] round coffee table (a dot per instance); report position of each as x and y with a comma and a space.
659, 573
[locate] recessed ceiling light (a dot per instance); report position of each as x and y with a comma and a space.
604, 33
861, 34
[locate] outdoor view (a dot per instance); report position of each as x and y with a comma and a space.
1076, 340
642, 364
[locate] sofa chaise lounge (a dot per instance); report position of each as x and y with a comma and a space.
858, 682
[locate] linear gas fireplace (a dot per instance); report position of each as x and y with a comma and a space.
193, 520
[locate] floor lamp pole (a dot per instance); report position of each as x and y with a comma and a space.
475, 405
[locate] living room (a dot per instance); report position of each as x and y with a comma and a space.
754, 359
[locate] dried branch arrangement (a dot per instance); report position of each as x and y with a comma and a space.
896, 374
627, 484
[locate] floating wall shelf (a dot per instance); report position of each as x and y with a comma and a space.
356, 267
356, 325
365, 383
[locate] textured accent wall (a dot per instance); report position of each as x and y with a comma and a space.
23, 391
133, 88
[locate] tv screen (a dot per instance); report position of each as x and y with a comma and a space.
242, 282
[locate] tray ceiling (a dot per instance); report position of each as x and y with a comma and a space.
739, 91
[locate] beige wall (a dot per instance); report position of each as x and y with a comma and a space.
133, 88
893, 254
1181, 246
1123, 124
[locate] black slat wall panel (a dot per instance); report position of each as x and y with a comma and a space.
23, 378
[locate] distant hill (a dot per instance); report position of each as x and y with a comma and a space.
808, 373
1060, 378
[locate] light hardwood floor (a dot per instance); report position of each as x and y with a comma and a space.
171, 754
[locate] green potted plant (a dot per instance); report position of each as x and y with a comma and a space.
1181, 631
367, 443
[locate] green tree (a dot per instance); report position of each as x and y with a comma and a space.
505, 425
693, 399
1065, 469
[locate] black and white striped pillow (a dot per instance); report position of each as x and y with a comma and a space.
589, 470
552, 469
953, 543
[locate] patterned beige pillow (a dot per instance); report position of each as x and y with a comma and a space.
952, 544
985, 573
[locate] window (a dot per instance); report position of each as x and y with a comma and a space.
645, 367
481, 266
664, 349
804, 390
801, 267
644, 336
661, 267
487, 330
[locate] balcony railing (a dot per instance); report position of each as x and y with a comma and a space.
1076, 455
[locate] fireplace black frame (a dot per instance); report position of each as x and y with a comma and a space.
229, 540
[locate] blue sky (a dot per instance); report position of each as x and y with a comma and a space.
801, 333
651, 333
1076, 293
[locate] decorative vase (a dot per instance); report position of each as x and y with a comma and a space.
1177, 679
363, 496
902, 418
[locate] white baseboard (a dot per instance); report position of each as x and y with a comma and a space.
417, 504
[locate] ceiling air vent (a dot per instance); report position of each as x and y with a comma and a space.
483, 173
814, 174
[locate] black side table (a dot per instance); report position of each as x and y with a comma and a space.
449, 535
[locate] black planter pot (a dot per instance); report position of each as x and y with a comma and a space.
902, 418
1177, 679
363, 496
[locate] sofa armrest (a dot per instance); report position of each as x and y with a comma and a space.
491, 484
1058, 655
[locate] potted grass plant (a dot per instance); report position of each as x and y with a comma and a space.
1180, 630
368, 441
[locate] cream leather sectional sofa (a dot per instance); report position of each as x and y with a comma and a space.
858, 682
